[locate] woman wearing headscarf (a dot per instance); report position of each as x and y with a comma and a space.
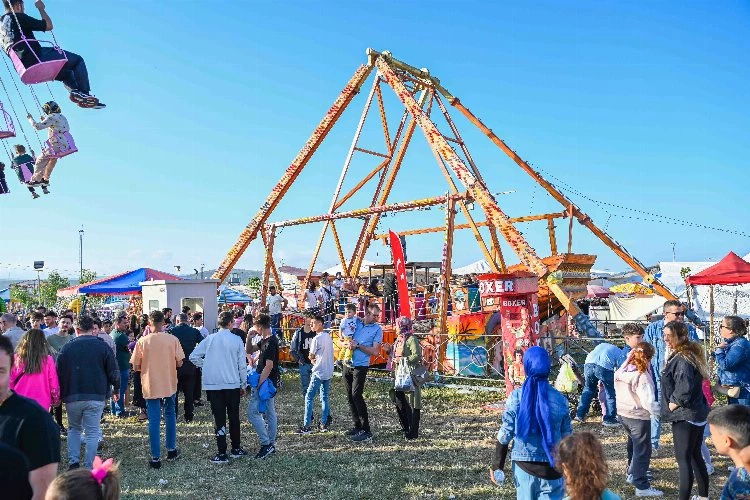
536, 418
408, 405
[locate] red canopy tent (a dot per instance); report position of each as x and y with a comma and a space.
731, 270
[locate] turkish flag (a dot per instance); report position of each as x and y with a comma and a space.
400, 268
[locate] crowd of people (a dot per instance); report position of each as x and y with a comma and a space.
661, 375
48, 360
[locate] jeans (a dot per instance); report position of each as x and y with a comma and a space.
83, 417
265, 424
530, 487
324, 387
153, 409
118, 408
74, 74
687, 449
225, 402
639, 449
186, 384
276, 325
705, 453
593, 374
304, 377
354, 381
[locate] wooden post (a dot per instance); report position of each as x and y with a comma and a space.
570, 229
552, 238
445, 289
269, 259
711, 311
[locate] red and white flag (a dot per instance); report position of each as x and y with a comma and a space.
400, 268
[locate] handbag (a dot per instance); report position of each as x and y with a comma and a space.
419, 375
403, 380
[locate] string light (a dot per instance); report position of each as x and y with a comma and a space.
671, 220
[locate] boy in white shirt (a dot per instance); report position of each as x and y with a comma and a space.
321, 355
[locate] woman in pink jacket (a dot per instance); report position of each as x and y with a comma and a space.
34, 375
635, 393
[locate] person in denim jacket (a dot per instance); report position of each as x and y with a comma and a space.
733, 358
536, 418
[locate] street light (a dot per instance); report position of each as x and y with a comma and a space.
38, 267
80, 254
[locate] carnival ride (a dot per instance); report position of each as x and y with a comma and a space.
562, 276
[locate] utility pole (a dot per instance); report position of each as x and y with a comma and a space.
80, 254
673, 254
202, 266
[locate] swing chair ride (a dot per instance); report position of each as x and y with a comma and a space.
37, 72
562, 276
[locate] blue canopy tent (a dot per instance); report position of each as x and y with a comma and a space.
231, 296
126, 283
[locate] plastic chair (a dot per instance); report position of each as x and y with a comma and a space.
51, 152
9, 130
41, 71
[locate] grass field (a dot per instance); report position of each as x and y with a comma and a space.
450, 460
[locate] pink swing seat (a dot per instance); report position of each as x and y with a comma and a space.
51, 152
26, 170
9, 130
41, 71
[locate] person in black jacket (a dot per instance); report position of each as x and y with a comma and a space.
300, 351
684, 405
189, 337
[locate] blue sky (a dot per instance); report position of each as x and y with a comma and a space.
642, 105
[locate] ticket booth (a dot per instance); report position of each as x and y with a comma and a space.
199, 295
515, 296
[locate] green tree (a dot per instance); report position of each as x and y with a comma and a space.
51, 285
254, 283
87, 275
22, 295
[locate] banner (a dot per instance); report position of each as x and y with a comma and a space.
400, 269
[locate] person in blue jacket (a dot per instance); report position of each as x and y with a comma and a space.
536, 418
673, 310
733, 358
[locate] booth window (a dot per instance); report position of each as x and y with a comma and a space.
153, 305
194, 303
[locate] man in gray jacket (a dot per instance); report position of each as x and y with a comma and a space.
8, 325
222, 359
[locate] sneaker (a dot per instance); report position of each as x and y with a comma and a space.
577, 420
265, 451
34, 196
611, 424
351, 432
324, 426
98, 105
155, 463
304, 430
649, 492
74, 466
362, 436
698, 497
83, 99
238, 453
629, 479
220, 459
174, 454
142, 417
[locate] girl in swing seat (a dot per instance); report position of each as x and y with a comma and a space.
57, 124
22, 158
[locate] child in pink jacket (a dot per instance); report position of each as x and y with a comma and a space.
34, 374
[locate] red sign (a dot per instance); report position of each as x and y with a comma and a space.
400, 268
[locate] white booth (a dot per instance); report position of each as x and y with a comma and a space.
199, 295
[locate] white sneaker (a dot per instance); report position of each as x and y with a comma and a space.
611, 424
650, 492
697, 497
629, 479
